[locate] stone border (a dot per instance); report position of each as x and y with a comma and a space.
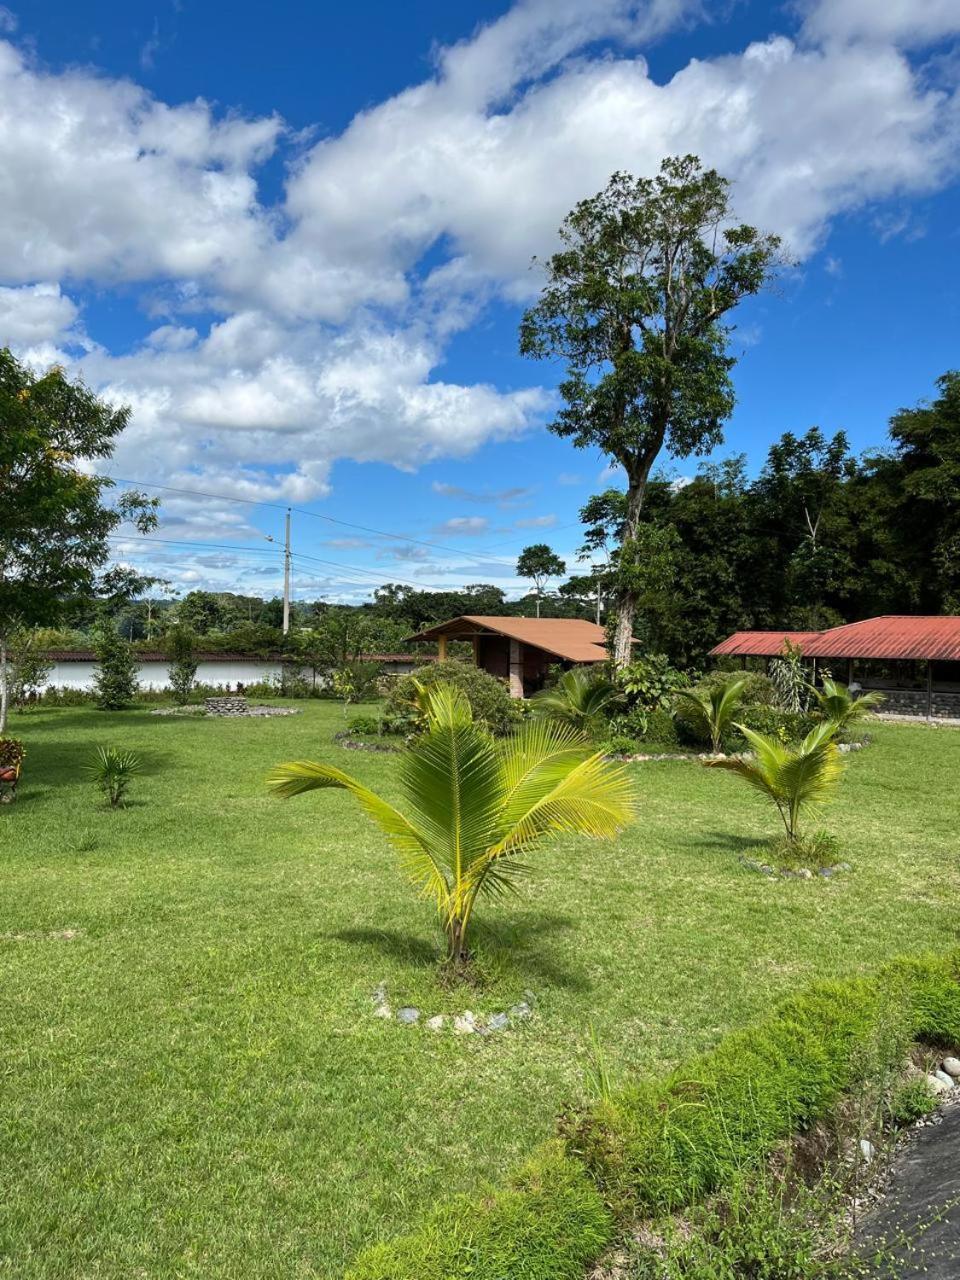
194, 710
463, 1024
719, 755
787, 873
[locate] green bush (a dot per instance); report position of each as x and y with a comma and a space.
661, 729
115, 681
758, 690
788, 726
619, 745
651, 681
659, 1145
489, 697
547, 1225
364, 725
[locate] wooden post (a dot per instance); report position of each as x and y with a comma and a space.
516, 669
476, 651
442, 648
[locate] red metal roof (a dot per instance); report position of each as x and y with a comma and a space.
934, 639
571, 638
760, 644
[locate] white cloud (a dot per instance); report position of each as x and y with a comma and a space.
463, 526
906, 22
537, 522
328, 344
33, 314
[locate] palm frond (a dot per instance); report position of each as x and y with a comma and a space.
300, 776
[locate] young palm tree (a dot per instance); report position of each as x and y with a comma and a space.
713, 712
796, 778
838, 704
476, 806
580, 698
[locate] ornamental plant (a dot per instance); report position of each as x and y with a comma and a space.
476, 808
111, 772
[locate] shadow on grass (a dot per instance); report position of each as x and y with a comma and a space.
518, 947
728, 842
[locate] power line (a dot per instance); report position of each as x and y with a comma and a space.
314, 515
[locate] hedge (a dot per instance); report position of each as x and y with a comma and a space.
548, 1224
661, 1144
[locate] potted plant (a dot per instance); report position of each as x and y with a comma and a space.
11, 761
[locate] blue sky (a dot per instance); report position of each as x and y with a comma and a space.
298, 245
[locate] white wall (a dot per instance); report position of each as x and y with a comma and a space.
156, 674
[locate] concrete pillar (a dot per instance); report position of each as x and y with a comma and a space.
516, 669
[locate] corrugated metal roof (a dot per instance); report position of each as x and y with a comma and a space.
896, 637
760, 644
573, 639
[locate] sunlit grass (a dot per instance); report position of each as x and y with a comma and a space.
193, 1083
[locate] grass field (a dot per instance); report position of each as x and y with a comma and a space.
194, 1085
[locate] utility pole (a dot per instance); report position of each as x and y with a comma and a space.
286, 577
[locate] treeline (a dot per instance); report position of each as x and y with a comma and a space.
818, 538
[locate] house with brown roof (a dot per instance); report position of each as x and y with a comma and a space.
914, 661
521, 650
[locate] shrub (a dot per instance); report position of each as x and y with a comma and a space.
355, 682
662, 1144
11, 752
661, 728
709, 713
651, 681
364, 724
183, 662
115, 682
112, 771
757, 689
620, 745
582, 698
548, 1224
787, 726
489, 698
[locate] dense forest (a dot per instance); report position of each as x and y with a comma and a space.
816, 538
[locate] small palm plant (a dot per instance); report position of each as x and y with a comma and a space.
843, 708
476, 806
111, 771
713, 712
796, 778
581, 698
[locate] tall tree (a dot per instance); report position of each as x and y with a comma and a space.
634, 303
540, 563
55, 522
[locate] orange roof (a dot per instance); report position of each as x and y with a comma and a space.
934, 638
569, 638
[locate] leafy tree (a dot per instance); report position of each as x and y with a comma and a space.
181, 650
476, 808
582, 698
635, 303
540, 563
30, 664
55, 524
489, 698
115, 680
796, 778
712, 710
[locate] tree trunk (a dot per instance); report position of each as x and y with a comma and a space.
627, 596
457, 952
538, 604
4, 684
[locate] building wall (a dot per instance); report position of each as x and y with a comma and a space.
156, 674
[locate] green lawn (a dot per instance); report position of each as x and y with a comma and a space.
194, 1085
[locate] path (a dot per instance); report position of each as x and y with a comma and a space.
917, 1225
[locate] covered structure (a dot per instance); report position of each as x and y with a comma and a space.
913, 661
521, 649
